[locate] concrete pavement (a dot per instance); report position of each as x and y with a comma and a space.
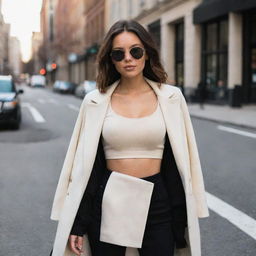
244, 116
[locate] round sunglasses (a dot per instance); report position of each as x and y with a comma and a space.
136, 53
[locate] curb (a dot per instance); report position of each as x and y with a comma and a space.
223, 122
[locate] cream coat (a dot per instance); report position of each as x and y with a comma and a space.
81, 155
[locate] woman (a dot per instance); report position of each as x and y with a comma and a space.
134, 127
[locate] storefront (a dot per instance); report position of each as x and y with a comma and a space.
249, 63
215, 58
217, 54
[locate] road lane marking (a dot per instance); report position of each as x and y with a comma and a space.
41, 101
35, 113
244, 222
54, 101
73, 107
236, 131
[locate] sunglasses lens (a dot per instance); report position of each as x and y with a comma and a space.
117, 55
137, 52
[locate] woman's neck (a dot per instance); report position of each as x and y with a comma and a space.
132, 85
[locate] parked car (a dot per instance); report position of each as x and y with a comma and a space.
85, 87
64, 86
56, 85
37, 81
10, 110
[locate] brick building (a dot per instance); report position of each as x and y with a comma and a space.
70, 37
94, 33
72, 32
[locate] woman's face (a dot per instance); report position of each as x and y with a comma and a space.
129, 66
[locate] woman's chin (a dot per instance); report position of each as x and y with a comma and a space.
131, 74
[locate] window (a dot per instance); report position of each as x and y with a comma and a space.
179, 53
51, 36
155, 32
253, 50
6, 86
215, 57
253, 65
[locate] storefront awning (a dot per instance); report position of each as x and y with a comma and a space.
211, 9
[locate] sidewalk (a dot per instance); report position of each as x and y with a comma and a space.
244, 116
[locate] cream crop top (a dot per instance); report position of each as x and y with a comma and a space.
125, 137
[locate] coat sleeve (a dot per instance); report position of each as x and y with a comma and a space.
85, 212
66, 171
195, 166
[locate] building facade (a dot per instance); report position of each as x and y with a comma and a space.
94, 33
4, 48
208, 43
14, 56
228, 47
70, 30
47, 51
73, 38
4, 45
81, 32
36, 43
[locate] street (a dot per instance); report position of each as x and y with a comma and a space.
32, 157
31, 160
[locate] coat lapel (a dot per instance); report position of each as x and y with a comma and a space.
172, 117
95, 113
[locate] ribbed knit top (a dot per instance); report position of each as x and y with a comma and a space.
125, 137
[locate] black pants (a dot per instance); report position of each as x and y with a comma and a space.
158, 237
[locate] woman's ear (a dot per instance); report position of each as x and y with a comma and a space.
146, 57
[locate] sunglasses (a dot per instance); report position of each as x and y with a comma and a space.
136, 53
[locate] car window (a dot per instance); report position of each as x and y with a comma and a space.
6, 86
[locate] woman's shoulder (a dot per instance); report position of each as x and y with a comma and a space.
92, 94
169, 89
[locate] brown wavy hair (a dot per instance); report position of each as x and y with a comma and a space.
107, 73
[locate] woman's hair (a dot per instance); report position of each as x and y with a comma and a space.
107, 73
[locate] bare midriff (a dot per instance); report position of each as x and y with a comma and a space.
137, 167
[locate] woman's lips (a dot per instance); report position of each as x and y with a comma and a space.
129, 68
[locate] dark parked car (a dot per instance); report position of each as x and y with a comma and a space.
64, 86
10, 110
85, 87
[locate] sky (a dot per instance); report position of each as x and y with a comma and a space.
24, 17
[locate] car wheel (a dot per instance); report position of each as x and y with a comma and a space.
16, 125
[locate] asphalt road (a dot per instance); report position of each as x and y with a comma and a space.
31, 159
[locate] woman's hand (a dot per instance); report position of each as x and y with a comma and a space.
75, 244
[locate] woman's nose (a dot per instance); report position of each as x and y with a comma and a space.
127, 56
